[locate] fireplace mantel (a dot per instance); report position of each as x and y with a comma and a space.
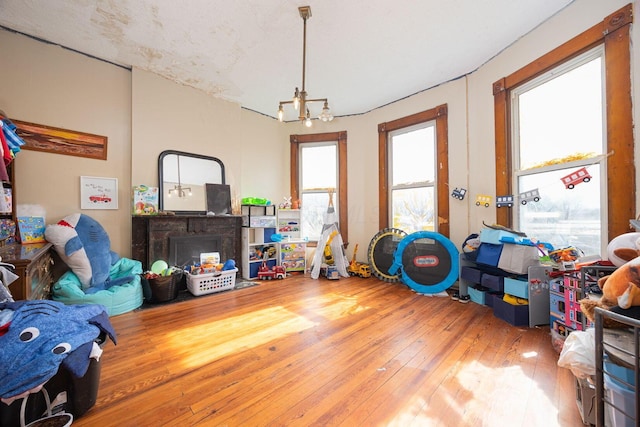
151, 234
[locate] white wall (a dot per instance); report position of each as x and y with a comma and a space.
143, 114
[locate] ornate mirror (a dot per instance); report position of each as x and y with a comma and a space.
182, 179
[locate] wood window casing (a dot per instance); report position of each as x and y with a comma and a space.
439, 114
341, 195
613, 33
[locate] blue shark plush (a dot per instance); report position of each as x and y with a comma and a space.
84, 245
40, 335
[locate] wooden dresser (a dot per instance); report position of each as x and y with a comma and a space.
34, 266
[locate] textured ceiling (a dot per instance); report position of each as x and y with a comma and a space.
361, 54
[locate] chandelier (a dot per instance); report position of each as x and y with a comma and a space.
178, 189
300, 101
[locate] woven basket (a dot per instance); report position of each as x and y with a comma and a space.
164, 288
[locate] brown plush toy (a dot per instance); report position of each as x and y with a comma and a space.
621, 288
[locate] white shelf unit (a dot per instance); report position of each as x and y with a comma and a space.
259, 224
257, 247
293, 247
289, 223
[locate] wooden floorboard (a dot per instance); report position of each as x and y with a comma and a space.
304, 352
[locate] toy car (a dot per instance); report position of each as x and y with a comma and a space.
276, 272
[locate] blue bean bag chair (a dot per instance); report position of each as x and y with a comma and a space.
117, 299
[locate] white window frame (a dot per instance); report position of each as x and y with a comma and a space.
601, 159
425, 184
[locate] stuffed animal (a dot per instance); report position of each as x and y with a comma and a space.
85, 247
621, 288
623, 248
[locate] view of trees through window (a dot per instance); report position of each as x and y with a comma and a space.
559, 130
318, 176
413, 178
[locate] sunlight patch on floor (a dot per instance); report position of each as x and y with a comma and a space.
509, 401
334, 306
201, 344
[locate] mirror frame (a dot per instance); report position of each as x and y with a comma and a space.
161, 181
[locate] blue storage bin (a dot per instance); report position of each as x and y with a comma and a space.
622, 398
471, 274
517, 315
492, 236
489, 254
490, 297
477, 295
625, 374
517, 288
493, 282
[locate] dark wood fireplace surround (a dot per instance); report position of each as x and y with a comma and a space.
150, 235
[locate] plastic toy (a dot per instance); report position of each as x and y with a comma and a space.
358, 268
266, 273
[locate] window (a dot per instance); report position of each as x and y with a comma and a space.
318, 167
609, 196
413, 192
557, 131
412, 178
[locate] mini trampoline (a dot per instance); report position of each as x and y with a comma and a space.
428, 262
380, 254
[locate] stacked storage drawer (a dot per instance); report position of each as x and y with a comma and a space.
514, 310
483, 287
488, 286
473, 277
526, 298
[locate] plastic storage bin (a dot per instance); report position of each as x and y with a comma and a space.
624, 401
202, 284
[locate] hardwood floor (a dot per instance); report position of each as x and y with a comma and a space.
303, 352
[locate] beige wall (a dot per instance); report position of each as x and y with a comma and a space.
143, 114
52, 86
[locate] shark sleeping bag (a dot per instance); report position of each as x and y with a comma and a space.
38, 336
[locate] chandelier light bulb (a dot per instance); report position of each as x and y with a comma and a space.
280, 113
296, 100
326, 115
307, 120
